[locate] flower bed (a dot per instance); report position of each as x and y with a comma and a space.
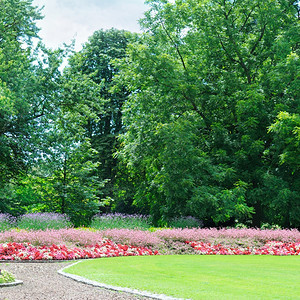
26, 251
270, 248
64, 244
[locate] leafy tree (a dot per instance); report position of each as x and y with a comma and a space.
46, 162
28, 87
68, 162
17, 28
206, 81
95, 61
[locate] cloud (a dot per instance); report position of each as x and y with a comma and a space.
68, 19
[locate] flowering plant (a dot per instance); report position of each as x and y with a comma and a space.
121, 221
26, 251
270, 248
71, 243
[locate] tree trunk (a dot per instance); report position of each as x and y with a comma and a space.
63, 202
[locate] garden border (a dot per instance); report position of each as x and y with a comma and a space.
29, 261
115, 288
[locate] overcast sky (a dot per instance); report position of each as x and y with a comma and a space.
65, 20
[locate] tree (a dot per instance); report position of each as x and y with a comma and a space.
95, 61
17, 28
287, 134
64, 176
206, 81
28, 87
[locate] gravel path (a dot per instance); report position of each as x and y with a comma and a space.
42, 282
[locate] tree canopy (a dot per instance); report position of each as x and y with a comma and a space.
197, 116
207, 81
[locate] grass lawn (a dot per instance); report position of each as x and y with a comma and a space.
200, 277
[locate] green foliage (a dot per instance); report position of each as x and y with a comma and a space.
46, 161
6, 277
206, 81
198, 116
17, 26
287, 136
28, 80
65, 178
95, 63
112, 221
185, 222
28, 92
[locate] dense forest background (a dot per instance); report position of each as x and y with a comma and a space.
198, 116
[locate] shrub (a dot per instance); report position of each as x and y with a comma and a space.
230, 236
133, 237
120, 221
43, 221
69, 236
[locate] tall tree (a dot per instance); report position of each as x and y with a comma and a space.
95, 60
207, 80
27, 89
17, 28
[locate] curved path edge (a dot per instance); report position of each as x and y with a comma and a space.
13, 283
114, 288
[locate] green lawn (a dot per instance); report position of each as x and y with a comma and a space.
200, 277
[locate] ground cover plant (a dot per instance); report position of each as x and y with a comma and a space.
6, 277
200, 277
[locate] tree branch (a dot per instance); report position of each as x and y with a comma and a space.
240, 61
259, 39
247, 18
175, 45
224, 48
229, 12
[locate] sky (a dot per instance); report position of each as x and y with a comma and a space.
65, 20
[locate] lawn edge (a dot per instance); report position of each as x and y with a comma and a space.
114, 288
13, 283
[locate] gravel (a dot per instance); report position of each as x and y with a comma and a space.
42, 282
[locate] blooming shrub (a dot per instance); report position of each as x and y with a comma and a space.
232, 236
47, 237
133, 237
43, 221
121, 221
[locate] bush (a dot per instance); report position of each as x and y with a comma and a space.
119, 221
42, 221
